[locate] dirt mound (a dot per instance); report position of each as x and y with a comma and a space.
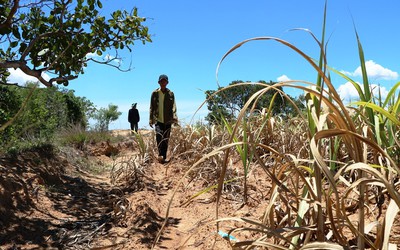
144, 220
22, 175
46, 198
139, 223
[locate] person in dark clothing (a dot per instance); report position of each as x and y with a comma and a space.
162, 115
134, 118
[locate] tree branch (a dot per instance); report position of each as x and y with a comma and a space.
24, 68
107, 62
6, 25
64, 78
35, 73
33, 41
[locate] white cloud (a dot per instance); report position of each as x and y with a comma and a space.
92, 55
349, 93
19, 77
375, 71
283, 78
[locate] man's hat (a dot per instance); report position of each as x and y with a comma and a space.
134, 104
163, 77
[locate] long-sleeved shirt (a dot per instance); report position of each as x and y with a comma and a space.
163, 111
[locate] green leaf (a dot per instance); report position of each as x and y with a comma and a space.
379, 109
391, 93
14, 44
15, 32
22, 47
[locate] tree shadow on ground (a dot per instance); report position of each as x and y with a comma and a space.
76, 210
30, 179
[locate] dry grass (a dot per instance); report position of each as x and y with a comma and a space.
333, 172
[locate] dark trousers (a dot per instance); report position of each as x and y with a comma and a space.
134, 126
162, 136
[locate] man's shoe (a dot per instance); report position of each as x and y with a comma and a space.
161, 159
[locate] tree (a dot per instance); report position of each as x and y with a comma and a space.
105, 116
38, 113
79, 109
57, 37
228, 102
10, 102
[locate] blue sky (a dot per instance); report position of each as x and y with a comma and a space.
190, 38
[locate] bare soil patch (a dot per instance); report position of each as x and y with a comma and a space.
52, 199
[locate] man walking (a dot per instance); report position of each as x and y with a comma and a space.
162, 115
134, 118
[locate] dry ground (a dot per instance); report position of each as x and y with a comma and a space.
66, 200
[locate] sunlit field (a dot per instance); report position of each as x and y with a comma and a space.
333, 169
326, 176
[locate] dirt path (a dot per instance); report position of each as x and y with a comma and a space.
57, 202
187, 227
